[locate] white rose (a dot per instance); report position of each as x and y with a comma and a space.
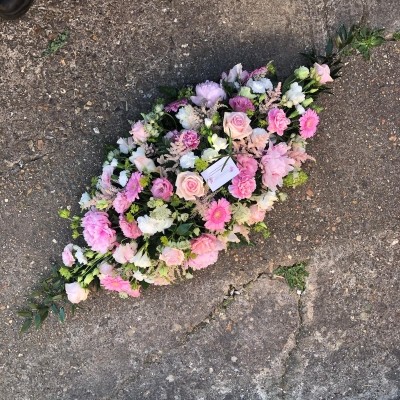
75, 292
188, 160
259, 86
209, 155
219, 143
150, 226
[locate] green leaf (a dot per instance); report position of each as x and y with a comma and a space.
65, 272
64, 213
61, 314
184, 229
295, 275
38, 321
88, 279
24, 313
26, 325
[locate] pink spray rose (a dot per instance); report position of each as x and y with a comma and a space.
237, 125
189, 185
243, 186
162, 189
67, 256
133, 187
203, 260
121, 202
207, 94
308, 124
129, 229
257, 214
139, 133
275, 165
277, 121
172, 256
324, 73
97, 231
75, 292
247, 165
217, 214
241, 104
206, 243
117, 284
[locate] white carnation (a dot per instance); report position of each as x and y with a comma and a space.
188, 160
188, 118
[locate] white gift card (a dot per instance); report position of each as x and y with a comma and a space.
220, 172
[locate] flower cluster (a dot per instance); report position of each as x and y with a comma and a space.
161, 208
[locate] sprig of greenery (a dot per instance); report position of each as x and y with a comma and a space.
365, 39
294, 275
56, 44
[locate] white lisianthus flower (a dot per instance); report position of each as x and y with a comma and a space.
294, 95
141, 162
85, 198
188, 118
75, 292
300, 109
126, 145
209, 154
208, 122
219, 143
141, 260
260, 85
150, 226
114, 162
123, 178
267, 200
79, 255
188, 160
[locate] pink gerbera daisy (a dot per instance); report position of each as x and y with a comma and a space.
308, 124
217, 214
133, 187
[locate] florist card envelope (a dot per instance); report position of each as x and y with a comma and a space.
219, 173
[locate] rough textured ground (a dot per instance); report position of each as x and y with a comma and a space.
339, 340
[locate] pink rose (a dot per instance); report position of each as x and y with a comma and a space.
275, 165
97, 231
237, 125
243, 186
208, 94
172, 256
247, 165
67, 256
256, 214
189, 185
162, 189
206, 243
139, 133
203, 260
129, 229
277, 121
241, 104
324, 73
75, 292
121, 203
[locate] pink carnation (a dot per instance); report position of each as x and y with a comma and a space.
276, 165
174, 106
203, 260
243, 186
105, 179
172, 256
206, 243
162, 189
207, 94
217, 214
129, 229
133, 187
247, 165
117, 284
190, 139
124, 253
67, 256
97, 231
241, 104
308, 124
121, 203
258, 73
277, 121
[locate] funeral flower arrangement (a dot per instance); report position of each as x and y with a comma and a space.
196, 174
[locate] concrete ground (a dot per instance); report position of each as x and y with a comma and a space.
339, 340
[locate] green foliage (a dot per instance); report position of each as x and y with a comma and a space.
64, 213
295, 179
200, 165
56, 44
262, 228
396, 36
366, 39
294, 275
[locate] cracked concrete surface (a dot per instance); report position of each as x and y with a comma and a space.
339, 340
